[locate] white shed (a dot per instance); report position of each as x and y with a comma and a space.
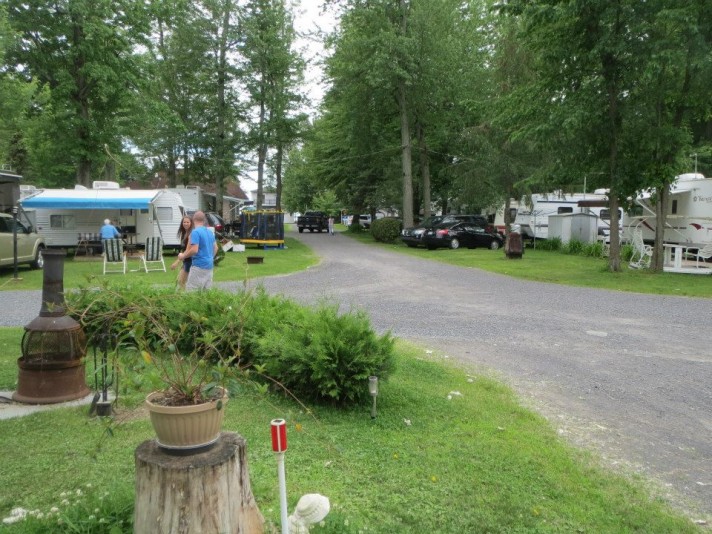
579, 226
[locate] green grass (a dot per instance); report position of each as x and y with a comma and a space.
478, 462
233, 268
559, 268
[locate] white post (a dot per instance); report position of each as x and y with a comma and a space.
282, 492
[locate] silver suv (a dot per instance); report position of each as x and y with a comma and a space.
29, 244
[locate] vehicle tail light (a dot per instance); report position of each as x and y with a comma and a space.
441, 233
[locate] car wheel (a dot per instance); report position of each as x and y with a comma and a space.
39, 259
454, 243
301, 230
494, 245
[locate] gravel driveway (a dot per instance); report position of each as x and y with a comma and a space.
628, 376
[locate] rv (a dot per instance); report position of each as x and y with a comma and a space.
533, 217
66, 217
193, 197
689, 214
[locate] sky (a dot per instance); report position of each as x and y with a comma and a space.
310, 23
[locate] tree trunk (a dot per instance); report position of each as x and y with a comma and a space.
406, 159
662, 194
425, 170
278, 175
192, 494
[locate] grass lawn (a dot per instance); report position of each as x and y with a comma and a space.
559, 268
448, 452
233, 268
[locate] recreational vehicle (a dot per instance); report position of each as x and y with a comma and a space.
65, 217
689, 214
533, 216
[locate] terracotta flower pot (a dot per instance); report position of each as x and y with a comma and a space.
186, 427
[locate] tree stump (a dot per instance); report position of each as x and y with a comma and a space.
513, 247
199, 493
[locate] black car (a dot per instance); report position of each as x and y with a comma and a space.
413, 236
462, 234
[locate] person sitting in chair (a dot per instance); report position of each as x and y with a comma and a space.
108, 231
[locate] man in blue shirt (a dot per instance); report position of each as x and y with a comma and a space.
108, 231
202, 249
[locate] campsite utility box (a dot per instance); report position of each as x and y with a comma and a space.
579, 226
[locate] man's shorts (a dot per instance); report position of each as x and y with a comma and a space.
199, 279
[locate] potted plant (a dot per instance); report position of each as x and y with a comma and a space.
194, 377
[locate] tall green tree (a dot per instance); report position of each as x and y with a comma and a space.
83, 50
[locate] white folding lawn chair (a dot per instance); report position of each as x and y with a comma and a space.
153, 254
114, 256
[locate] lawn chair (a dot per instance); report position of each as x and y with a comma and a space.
153, 254
704, 254
114, 256
642, 253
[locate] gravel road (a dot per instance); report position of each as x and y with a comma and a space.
628, 376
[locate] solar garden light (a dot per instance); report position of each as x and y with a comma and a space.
278, 429
373, 390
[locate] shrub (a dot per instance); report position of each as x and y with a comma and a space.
386, 230
317, 354
574, 246
329, 357
549, 244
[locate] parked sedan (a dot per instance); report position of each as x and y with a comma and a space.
462, 234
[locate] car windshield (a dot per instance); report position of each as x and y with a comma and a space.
430, 221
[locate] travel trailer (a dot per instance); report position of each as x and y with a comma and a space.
533, 216
689, 215
64, 217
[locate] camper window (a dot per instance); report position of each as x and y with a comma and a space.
606, 214
565, 209
62, 221
673, 208
125, 213
164, 213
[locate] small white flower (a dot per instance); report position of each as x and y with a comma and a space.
428, 352
88, 484
449, 397
102, 520
346, 522
470, 380
39, 515
96, 510
64, 502
54, 509
79, 492
63, 494
92, 517
407, 422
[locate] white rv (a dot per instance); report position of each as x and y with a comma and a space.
64, 217
689, 215
193, 197
533, 217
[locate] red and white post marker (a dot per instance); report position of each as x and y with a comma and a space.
279, 445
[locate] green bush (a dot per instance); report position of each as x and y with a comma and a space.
317, 354
549, 244
574, 246
386, 230
328, 357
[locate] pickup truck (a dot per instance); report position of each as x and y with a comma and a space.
313, 220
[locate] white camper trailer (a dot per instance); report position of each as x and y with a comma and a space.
193, 197
689, 215
533, 217
64, 217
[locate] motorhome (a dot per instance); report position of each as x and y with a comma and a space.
65, 217
533, 214
689, 214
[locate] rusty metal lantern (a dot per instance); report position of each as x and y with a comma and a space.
53, 346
